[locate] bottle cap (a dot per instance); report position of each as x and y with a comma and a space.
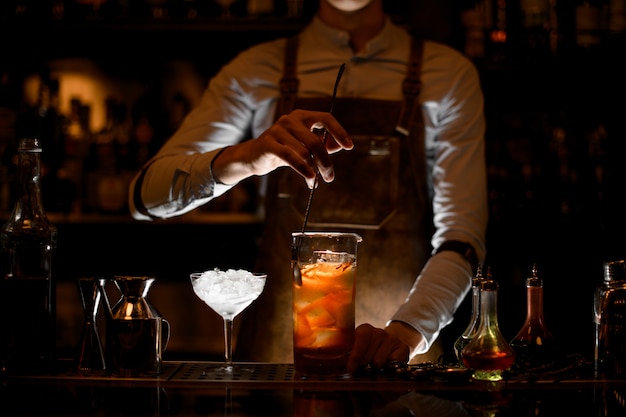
488, 283
533, 280
29, 145
615, 271
478, 277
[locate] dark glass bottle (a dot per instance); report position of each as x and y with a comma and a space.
534, 344
488, 354
472, 327
610, 322
28, 244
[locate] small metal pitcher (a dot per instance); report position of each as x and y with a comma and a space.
136, 333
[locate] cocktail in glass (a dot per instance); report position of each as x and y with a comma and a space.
227, 293
324, 269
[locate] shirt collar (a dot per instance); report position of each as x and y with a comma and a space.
341, 39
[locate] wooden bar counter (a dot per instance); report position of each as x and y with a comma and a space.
184, 389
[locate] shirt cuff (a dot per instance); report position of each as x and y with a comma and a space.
437, 292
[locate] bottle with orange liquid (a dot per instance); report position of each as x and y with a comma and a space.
534, 344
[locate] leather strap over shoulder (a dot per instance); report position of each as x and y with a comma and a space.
411, 88
410, 126
289, 83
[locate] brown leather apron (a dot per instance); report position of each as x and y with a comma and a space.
374, 194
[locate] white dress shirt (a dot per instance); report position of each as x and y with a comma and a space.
242, 97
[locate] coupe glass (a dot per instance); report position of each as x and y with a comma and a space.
228, 293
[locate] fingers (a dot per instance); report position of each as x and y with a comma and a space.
288, 142
319, 121
308, 139
360, 356
375, 347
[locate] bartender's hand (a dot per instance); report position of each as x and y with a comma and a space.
376, 347
407, 334
290, 141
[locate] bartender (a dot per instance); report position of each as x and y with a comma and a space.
402, 164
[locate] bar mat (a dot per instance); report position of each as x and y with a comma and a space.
201, 372
66, 371
268, 373
263, 372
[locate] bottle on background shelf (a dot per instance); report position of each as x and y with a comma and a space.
617, 19
149, 125
45, 121
476, 21
536, 27
77, 140
590, 23
260, 7
106, 186
499, 37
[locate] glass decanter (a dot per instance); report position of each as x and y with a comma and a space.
472, 327
488, 354
534, 344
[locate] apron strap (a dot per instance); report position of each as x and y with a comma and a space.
289, 83
410, 117
410, 127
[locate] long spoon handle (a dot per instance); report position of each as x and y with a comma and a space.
332, 105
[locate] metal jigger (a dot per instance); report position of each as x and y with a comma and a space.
91, 354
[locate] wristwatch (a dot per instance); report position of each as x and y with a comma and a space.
463, 248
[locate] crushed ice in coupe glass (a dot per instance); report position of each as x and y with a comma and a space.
228, 293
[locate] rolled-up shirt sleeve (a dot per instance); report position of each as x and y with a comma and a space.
237, 103
179, 184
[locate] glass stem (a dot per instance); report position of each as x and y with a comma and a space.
228, 342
